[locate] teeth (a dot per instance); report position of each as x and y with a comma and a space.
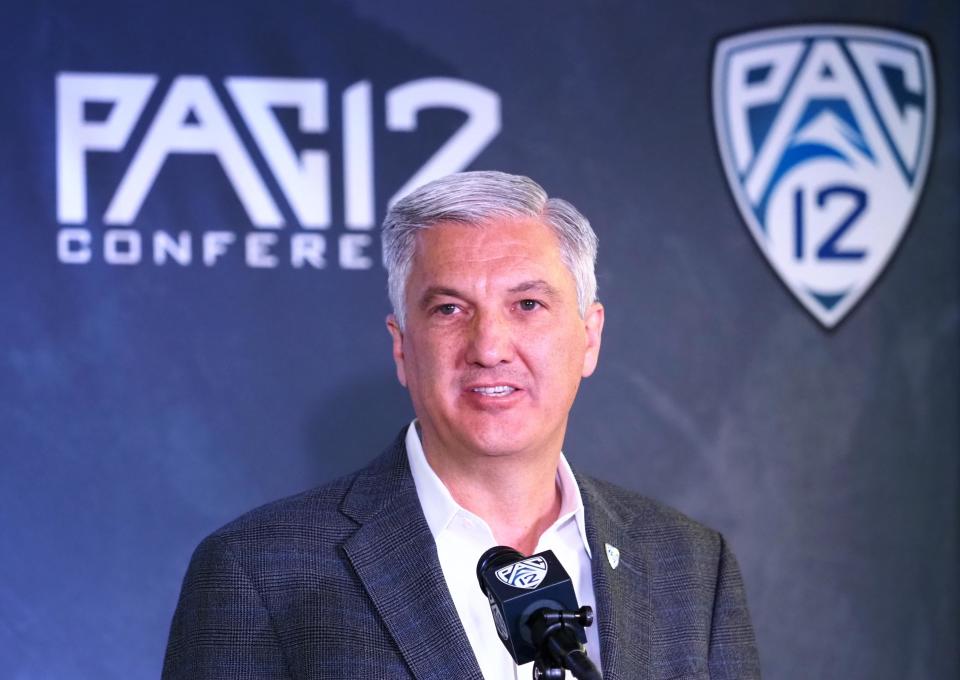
495, 391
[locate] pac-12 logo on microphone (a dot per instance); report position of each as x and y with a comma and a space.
528, 573
825, 135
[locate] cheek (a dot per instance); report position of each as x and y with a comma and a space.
575, 349
430, 362
560, 358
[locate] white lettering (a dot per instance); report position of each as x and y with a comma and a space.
122, 246
215, 244
307, 249
351, 251
305, 180
258, 250
173, 132
358, 156
73, 246
481, 105
191, 119
127, 95
179, 250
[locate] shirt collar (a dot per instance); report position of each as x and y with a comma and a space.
438, 504
440, 508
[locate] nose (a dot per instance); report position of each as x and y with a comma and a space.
491, 340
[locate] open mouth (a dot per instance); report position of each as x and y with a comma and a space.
494, 390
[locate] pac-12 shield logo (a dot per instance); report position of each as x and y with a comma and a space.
528, 573
825, 134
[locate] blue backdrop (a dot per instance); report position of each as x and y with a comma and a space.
191, 304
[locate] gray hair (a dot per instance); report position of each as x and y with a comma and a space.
476, 198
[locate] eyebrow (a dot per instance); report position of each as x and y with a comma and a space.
437, 291
535, 285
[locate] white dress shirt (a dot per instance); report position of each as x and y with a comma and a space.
462, 537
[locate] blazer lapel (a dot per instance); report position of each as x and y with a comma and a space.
395, 557
622, 593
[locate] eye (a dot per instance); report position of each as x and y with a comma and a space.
529, 305
446, 309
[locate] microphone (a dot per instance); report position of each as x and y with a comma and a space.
535, 611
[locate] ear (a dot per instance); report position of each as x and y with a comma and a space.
593, 324
397, 335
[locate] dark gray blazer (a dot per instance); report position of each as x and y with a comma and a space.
343, 582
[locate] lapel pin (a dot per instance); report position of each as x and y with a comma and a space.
613, 555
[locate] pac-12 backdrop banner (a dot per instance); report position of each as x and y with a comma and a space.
192, 300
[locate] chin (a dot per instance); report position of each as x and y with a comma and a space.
502, 441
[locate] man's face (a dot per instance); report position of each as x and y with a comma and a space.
494, 346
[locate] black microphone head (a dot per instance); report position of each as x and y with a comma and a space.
517, 587
495, 557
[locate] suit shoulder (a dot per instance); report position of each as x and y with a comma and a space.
638, 513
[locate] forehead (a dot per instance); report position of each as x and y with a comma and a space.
504, 242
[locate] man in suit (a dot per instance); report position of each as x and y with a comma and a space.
372, 576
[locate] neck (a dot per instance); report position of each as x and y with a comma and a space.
516, 495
